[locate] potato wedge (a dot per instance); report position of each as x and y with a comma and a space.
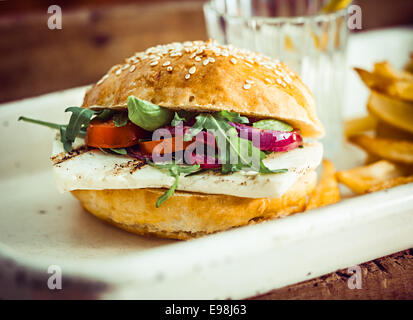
385, 130
362, 179
389, 149
385, 69
359, 125
391, 183
409, 65
327, 191
396, 112
371, 158
398, 88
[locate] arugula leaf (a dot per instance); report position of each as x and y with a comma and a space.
104, 114
174, 170
79, 120
77, 126
120, 119
121, 151
147, 115
198, 126
169, 193
177, 120
272, 124
223, 131
232, 116
42, 123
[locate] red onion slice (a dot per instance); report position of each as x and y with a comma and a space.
269, 140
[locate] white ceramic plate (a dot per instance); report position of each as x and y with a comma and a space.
40, 228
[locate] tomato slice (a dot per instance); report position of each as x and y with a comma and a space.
164, 146
105, 134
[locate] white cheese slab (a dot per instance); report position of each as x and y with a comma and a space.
96, 170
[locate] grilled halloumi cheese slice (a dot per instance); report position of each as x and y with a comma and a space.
95, 170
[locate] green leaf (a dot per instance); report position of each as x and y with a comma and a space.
272, 124
147, 115
174, 170
177, 120
40, 122
104, 115
121, 151
77, 126
198, 126
182, 115
169, 193
218, 123
232, 116
79, 120
120, 119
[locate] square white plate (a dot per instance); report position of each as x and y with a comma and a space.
40, 228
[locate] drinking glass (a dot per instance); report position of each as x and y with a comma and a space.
293, 31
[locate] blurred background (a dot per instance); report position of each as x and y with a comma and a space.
96, 34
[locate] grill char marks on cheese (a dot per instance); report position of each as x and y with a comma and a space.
64, 156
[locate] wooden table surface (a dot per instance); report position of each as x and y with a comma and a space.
35, 60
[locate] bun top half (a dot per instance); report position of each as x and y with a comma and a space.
205, 76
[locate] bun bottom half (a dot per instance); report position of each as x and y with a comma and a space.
189, 215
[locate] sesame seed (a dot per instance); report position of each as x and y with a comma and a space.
284, 84
279, 80
247, 86
233, 60
198, 58
249, 81
167, 63
118, 72
287, 79
187, 76
249, 65
131, 69
268, 80
126, 66
102, 79
211, 59
192, 70
169, 69
278, 73
154, 63
205, 62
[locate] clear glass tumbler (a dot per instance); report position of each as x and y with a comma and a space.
293, 31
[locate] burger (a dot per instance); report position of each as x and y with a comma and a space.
187, 139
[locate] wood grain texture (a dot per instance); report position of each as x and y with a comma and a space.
36, 60
390, 277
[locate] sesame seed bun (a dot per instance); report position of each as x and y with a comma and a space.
189, 215
205, 76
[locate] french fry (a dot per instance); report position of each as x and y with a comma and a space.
327, 191
401, 88
391, 183
371, 158
396, 112
389, 149
364, 178
385, 130
359, 125
409, 65
384, 69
